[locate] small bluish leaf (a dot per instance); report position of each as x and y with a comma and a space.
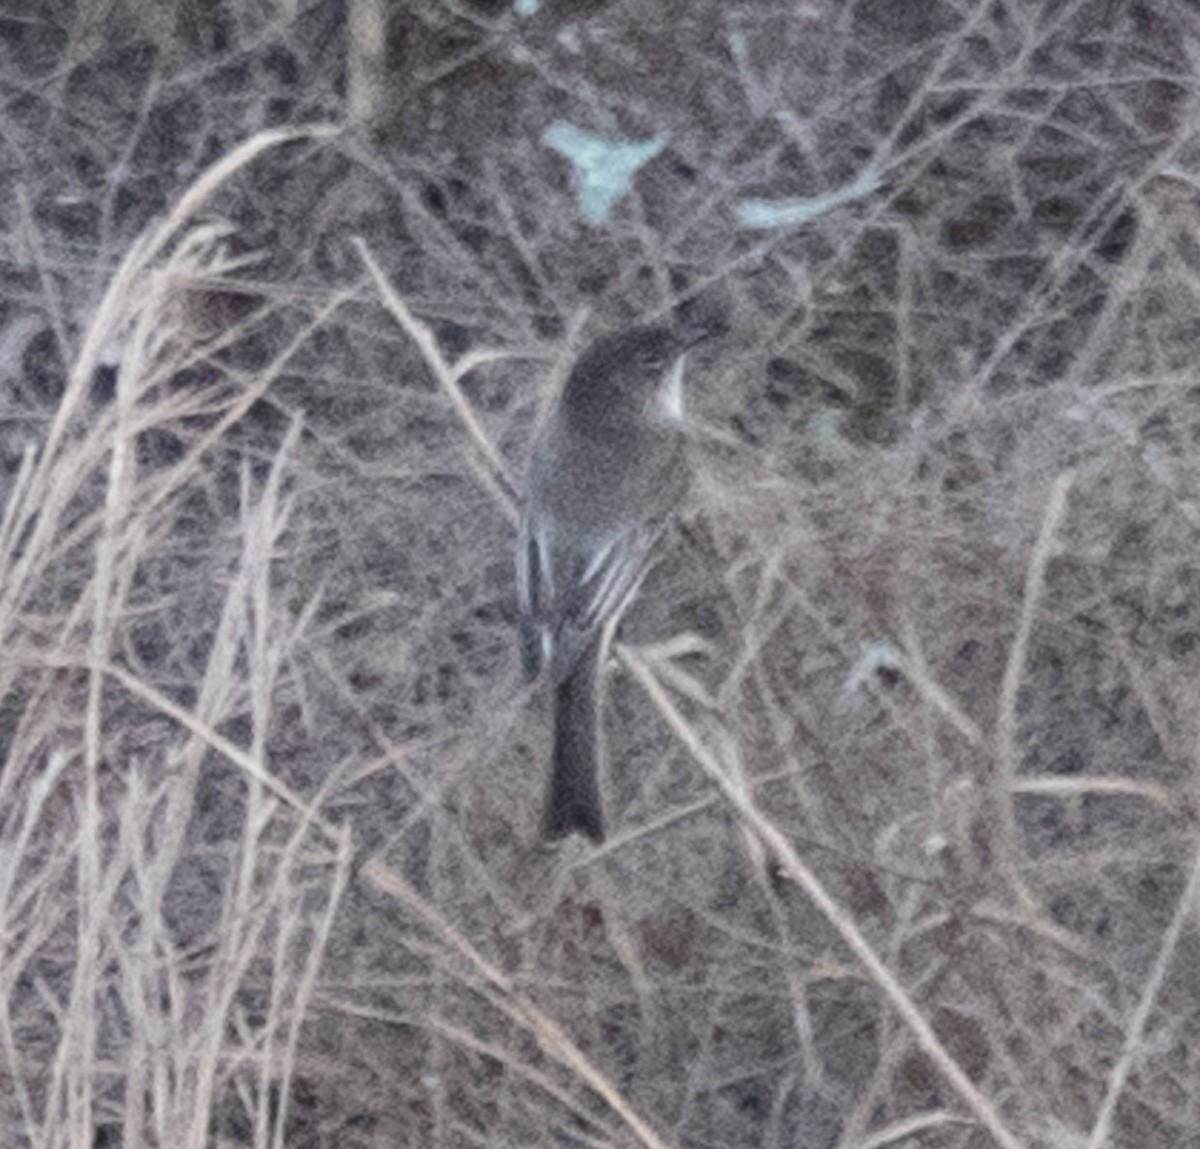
768, 213
603, 168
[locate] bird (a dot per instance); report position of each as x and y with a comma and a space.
606, 473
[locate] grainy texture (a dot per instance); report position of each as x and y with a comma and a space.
270, 778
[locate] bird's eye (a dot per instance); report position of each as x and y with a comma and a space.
654, 360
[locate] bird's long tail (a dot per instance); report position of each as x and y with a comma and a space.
573, 799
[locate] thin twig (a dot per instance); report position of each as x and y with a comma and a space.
790, 864
1132, 1045
1006, 721
234, 753
547, 1032
446, 376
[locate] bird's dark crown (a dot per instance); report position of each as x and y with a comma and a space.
611, 379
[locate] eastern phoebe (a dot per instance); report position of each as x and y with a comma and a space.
606, 472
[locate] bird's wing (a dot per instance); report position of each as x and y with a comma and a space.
589, 589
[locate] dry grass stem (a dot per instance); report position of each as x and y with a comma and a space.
789, 861
287, 292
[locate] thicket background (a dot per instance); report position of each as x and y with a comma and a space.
903, 741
